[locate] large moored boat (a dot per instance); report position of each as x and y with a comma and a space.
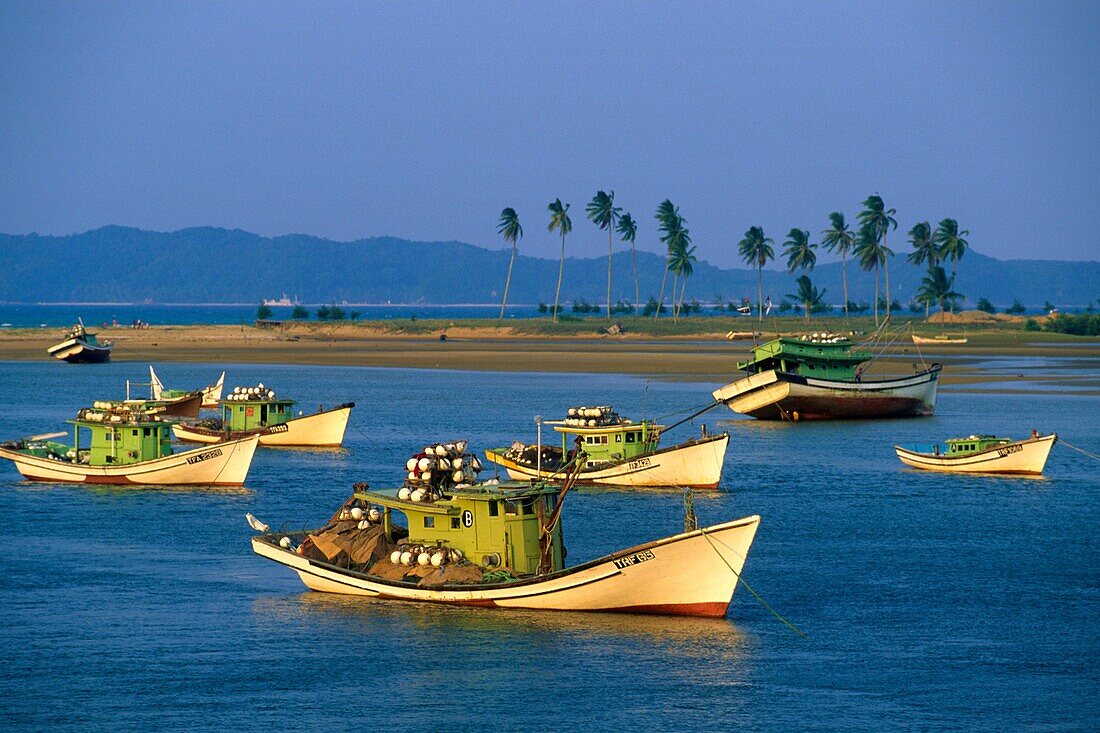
821, 377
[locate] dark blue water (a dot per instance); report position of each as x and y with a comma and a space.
931, 601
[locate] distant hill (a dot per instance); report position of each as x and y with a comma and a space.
203, 265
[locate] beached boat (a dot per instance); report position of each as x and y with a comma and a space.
500, 546
820, 377
938, 340
123, 447
211, 394
620, 452
80, 346
981, 454
257, 411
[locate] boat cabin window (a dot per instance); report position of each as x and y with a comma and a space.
511, 509
630, 437
429, 522
134, 432
494, 508
528, 507
454, 521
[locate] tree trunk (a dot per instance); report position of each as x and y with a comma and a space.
952, 282
807, 307
661, 299
561, 271
844, 275
507, 282
683, 287
760, 293
609, 271
876, 295
634, 259
886, 270
675, 310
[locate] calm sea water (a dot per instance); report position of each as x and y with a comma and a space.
931, 602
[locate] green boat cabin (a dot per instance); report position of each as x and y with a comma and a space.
830, 358
255, 413
496, 526
974, 444
615, 442
99, 441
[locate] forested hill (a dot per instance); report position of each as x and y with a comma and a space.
205, 265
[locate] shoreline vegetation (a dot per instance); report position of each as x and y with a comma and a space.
687, 350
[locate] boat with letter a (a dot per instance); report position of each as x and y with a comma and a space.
123, 447
620, 452
981, 454
820, 377
500, 545
80, 346
257, 411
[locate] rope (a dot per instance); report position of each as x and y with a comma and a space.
686, 409
1082, 451
750, 589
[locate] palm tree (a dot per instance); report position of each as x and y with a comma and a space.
603, 213
937, 287
924, 250
756, 250
799, 251
559, 219
668, 221
840, 239
681, 256
509, 228
949, 240
628, 231
808, 295
871, 256
879, 220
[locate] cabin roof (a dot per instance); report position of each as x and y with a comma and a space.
561, 427
511, 490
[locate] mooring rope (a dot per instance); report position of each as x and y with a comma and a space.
1082, 451
755, 595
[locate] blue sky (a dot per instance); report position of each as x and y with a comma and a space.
423, 120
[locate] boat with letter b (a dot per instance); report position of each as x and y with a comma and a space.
257, 411
123, 447
981, 454
821, 377
619, 452
500, 545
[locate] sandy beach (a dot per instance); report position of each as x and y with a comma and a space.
706, 357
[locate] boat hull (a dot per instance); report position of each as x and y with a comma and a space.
696, 464
774, 395
1026, 457
186, 406
319, 430
75, 351
691, 574
224, 465
924, 341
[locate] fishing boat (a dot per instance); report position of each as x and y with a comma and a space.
257, 411
500, 545
939, 340
981, 454
124, 447
211, 394
81, 346
821, 377
619, 452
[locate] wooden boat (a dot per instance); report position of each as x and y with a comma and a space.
80, 346
122, 447
256, 411
500, 546
211, 394
937, 340
981, 454
620, 452
820, 377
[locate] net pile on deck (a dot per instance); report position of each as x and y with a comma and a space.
438, 468
548, 457
251, 394
356, 538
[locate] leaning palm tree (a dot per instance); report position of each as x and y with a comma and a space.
840, 239
924, 251
937, 287
879, 220
509, 228
559, 219
685, 261
680, 258
603, 213
808, 295
628, 231
756, 250
950, 243
668, 221
798, 251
